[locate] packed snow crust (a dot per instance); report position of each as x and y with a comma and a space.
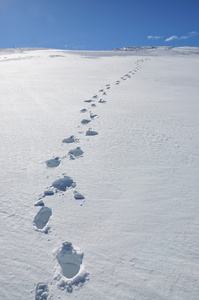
136, 179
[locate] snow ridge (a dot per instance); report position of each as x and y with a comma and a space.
159, 50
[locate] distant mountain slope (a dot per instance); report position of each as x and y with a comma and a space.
162, 50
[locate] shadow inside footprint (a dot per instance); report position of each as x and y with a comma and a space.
69, 140
42, 217
48, 193
53, 163
83, 110
69, 260
91, 132
102, 101
42, 291
75, 153
92, 115
78, 196
64, 183
85, 121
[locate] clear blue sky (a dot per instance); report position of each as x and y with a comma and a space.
98, 24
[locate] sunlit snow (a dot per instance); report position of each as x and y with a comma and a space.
119, 132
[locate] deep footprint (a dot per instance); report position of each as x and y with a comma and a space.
53, 163
69, 260
42, 291
42, 217
75, 153
83, 110
48, 193
70, 270
102, 101
69, 140
91, 132
92, 115
78, 196
64, 183
85, 121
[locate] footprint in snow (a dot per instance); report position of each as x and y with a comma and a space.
92, 115
104, 93
95, 96
53, 163
69, 270
48, 193
91, 132
101, 90
42, 291
78, 196
70, 140
75, 153
102, 101
42, 217
88, 101
83, 110
93, 105
63, 184
85, 121
39, 202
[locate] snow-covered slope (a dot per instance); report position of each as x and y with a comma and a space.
163, 50
110, 212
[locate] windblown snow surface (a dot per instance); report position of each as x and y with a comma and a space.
106, 208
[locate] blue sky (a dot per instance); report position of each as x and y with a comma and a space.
98, 24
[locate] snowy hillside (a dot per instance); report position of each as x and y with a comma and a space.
99, 174
163, 50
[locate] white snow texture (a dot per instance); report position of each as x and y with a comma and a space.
99, 149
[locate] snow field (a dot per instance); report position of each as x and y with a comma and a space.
138, 222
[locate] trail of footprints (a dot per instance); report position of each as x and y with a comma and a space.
70, 270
